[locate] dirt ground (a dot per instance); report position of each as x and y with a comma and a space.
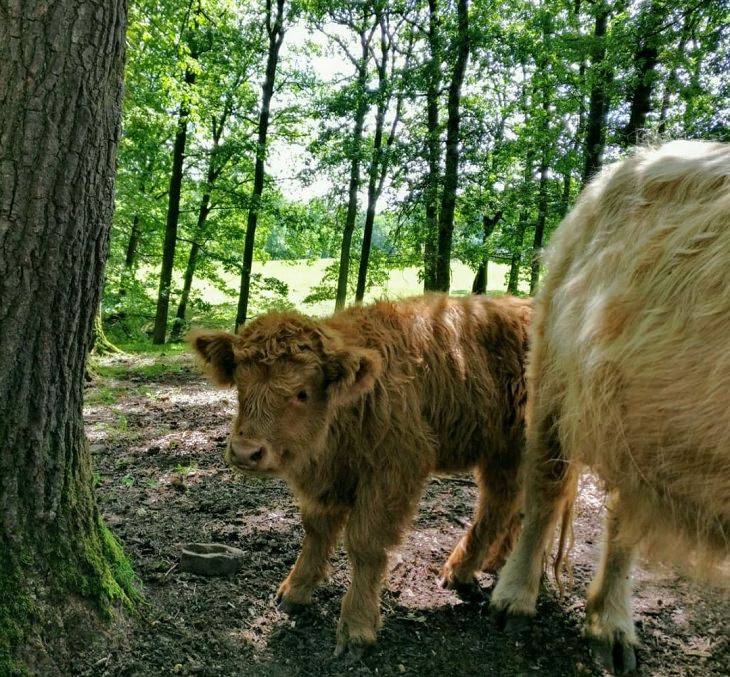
157, 436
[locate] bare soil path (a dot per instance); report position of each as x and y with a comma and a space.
158, 430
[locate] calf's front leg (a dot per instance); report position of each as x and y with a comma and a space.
321, 529
375, 525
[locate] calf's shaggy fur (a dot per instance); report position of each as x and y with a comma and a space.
629, 374
356, 411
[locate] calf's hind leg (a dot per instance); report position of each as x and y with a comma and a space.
495, 522
321, 529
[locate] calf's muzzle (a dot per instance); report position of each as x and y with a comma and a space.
245, 453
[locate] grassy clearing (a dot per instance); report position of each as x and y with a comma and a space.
301, 276
215, 308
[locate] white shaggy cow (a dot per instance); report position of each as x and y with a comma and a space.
630, 375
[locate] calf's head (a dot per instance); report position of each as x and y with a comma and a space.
292, 375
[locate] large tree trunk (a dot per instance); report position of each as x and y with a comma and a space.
58, 141
451, 165
433, 149
276, 30
173, 216
601, 76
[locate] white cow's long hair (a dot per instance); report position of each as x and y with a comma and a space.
633, 330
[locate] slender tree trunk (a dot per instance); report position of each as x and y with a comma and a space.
451, 168
58, 141
601, 76
546, 144
433, 149
131, 254
514, 270
672, 82
645, 60
379, 160
479, 285
192, 264
689, 94
276, 30
367, 235
354, 185
173, 216
130, 257
539, 225
215, 167
522, 221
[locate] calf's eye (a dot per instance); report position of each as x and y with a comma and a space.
302, 396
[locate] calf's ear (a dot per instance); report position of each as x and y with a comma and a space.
216, 350
351, 373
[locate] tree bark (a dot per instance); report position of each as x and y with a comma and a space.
539, 225
514, 270
131, 253
479, 286
58, 140
601, 76
645, 60
451, 165
275, 28
215, 167
433, 149
173, 216
355, 161
379, 160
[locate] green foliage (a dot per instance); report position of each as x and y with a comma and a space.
524, 115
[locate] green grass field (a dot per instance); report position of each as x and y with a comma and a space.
302, 276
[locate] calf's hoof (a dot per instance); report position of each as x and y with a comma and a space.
470, 591
510, 623
289, 607
291, 599
618, 657
353, 650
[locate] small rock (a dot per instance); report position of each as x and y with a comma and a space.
211, 559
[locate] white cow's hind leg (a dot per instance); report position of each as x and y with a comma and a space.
609, 623
549, 486
519, 581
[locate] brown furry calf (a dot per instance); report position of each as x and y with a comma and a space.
356, 411
630, 374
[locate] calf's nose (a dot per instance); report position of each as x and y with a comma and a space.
247, 453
